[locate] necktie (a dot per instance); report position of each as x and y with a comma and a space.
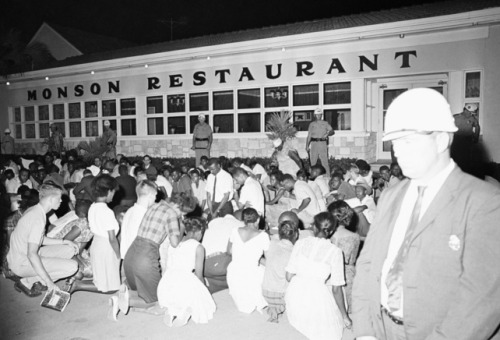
394, 280
213, 194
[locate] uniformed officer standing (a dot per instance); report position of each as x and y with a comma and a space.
109, 138
56, 140
465, 138
317, 140
7, 143
202, 139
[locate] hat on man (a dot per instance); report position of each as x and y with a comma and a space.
471, 107
201, 115
277, 142
107, 123
361, 182
418, 110
318, 111
7, 131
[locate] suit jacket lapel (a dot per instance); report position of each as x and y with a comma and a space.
443, 198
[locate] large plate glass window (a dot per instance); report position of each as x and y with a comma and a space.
129, 127
75, 110
304, 95
90, 109
75, 129
176, 103
339, 119
154, 104
198, 102
176, 125
224, 123
109, 108
44, 130
473, 84
17, 115
302, 119
276, 96
155, 126
91, 128
249, 99
223, 100
337, 93
58, 111
30, 130
19, 131
61, 127
43, 112
112, 124
29, 114
128, 109
249, 122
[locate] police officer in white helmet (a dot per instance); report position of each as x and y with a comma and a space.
429, 266
8, 143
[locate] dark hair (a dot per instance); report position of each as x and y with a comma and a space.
288, 231
122, 169
394, 164
239, 171
320, 167
344, 214
148, 156
103, 184
302, 173
383, 167
178, 170
87, 172
337, 175
287, 177
29, 198
214, 161
203, 157
194, 224
250, 215
237, 160
9, 172
325, 224
24, 170
278, 174
22, 189
82, 208
51, 168
194, 171
362, 165
188, 203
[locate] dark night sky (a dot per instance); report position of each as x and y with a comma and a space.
146, 21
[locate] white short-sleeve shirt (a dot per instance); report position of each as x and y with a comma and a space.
224, 185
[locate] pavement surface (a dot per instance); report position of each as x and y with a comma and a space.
85, 317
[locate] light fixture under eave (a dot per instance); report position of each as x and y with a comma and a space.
208, 58
47, 78
401, 36
7, 83
283, 49
146, 66
92, 72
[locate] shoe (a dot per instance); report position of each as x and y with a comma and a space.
39, 287
123, 299
181, 320
20, 287
113, 308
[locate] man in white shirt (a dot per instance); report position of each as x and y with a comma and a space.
318, 175
219, 190
307, 203
217, 259
146, 194
23, 179
363, 203
251, 195
429, 266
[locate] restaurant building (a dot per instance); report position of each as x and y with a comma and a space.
352, 67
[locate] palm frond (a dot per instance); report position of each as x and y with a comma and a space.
279, 126
92, 148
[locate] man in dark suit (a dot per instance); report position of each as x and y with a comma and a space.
429, 268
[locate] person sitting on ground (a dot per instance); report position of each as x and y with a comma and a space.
306, 206
245, 274
365, 171
318, 175
346, 238
219, 190
83, 190
339, 190
277, 256
181, 182
238, 163
275, 186
166, 171
363, 202
182, 287
293, 218
396, 175
203, 164
303, 175
104, 250
217, 259
251, 195
198, 187
315, 271
258, 171
146, 195
22, 179
126, 194
352, 175
79, 232
40, 261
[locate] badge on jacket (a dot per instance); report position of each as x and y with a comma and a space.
454, 243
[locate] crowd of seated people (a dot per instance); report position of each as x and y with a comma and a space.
162, 240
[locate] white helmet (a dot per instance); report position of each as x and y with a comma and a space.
7, 131
107, 123
420, 109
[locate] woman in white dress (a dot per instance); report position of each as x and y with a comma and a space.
182, 288
244, 273
105, 250
314, 266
